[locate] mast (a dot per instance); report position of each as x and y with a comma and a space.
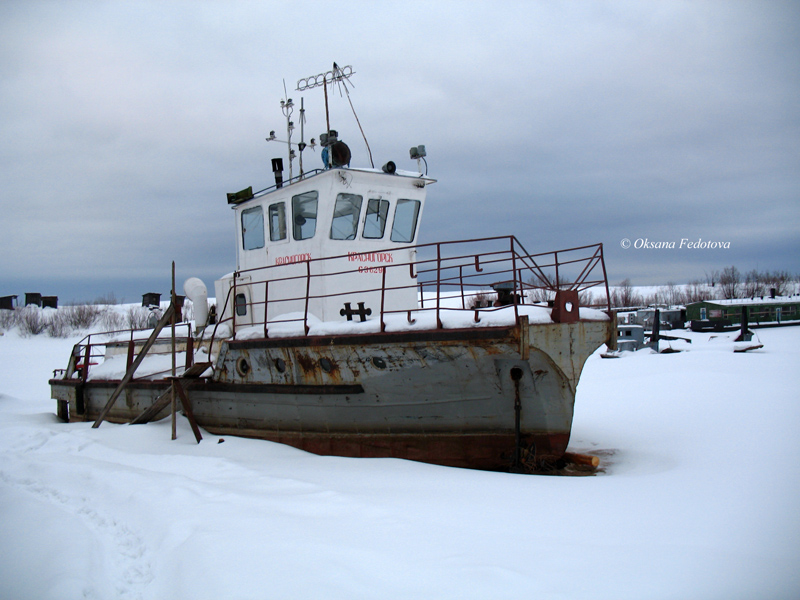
302, 145
287, 106
339, 75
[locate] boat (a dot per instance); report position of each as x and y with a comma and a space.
339, 333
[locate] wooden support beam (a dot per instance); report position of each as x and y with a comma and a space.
150, 413
190, 375
187, 407
132, 369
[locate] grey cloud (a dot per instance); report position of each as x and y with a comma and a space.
124, 124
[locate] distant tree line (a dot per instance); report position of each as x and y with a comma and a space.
105, 314
625, 295
724, 284
732, 284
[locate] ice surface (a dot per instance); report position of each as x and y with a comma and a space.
698, 498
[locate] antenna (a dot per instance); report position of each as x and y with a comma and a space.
302, 145
287, 107
341, 154
338, 75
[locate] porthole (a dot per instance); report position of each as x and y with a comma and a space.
242, 366
378, 362
326, 365
280, 365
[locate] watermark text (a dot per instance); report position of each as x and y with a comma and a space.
682, 244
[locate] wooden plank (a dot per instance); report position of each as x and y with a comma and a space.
195, 370
586, 460
187, 407
150, 413
129, 374
192, 373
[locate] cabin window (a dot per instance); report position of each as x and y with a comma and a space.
241, 305
277, 221
253, 228
405, 220
375, 220
304, 215
345, 217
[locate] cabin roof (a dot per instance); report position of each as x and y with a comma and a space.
398, 176
758, 300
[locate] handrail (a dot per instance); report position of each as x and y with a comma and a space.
86, 349
275, 186
514, 274
448, 266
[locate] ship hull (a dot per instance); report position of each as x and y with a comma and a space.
477, 398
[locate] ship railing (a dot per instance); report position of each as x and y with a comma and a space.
91, 350
475, 275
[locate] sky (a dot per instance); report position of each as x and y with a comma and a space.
124, 124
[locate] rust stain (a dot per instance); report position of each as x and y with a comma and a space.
308, 364
319, 369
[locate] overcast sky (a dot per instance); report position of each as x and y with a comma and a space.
124, 124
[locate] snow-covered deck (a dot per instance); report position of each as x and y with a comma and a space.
292, 324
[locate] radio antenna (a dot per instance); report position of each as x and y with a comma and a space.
337, 75
287, 107
323, 79
302, 144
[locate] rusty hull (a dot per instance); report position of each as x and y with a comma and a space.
445, 396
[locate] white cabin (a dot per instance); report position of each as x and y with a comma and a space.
367, 217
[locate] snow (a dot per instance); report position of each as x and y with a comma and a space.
697, 498
291, 324
759, 300
115, 367
140, 335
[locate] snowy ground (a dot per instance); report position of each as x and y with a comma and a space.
699, 498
